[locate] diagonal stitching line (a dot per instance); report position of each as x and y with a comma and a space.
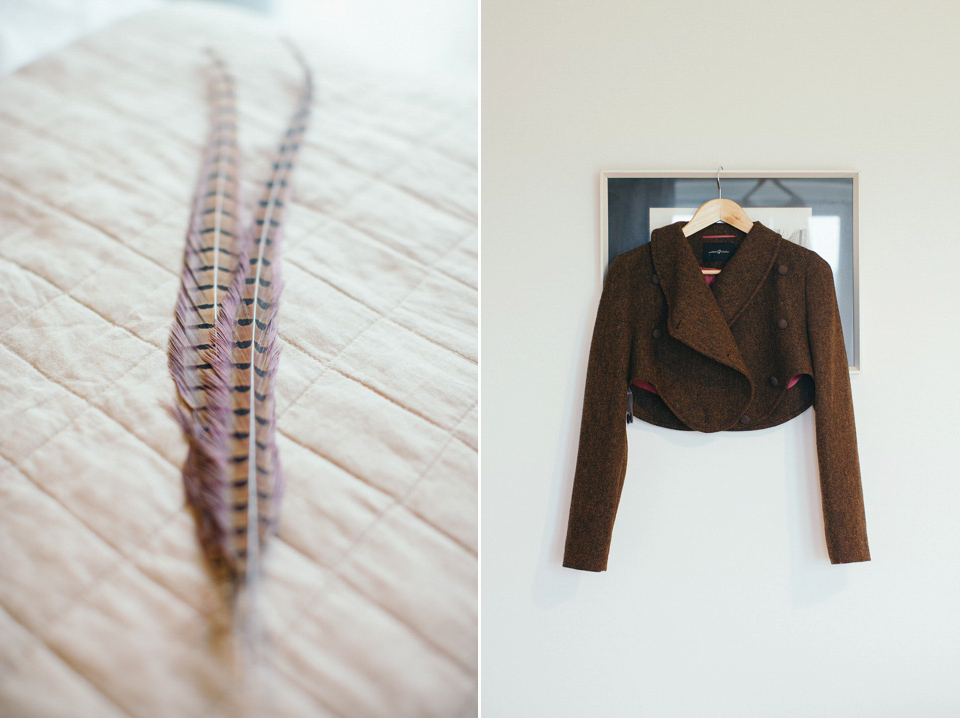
464, 215
442, 150
93, 407
97, 689
380, 241
399, 500
60, 293
444, 117
399, 619
84, 158
380, 316
330, 461
68, 295
322, 363
475, 449
416, 141
345, 293
99, 103
326, 152
100, 230
450, 537
432, 341
122, 559
369, 326
295, 679
113, 180
396, 500
373, 235
411, 628
383, 494
458, 212
90, 405
391, 400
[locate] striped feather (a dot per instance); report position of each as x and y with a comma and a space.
210, 253
224, 353
214, 240
257, 479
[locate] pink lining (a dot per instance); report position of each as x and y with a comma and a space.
651, 388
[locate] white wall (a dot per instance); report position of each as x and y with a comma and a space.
412, 37
30, 29
720, 599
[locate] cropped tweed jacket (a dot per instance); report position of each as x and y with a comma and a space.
751, 350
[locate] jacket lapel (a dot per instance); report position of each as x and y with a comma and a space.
745, 271
715, 387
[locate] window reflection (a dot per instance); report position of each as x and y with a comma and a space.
825, 239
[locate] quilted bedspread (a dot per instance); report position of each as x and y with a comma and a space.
369, 598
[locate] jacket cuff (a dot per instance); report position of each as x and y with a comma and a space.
851, 557
583, 561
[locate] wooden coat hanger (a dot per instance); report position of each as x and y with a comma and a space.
718, 210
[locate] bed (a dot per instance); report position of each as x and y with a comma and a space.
370, 594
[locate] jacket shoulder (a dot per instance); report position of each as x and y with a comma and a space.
623, 275
802, 257
813, 268
631, 260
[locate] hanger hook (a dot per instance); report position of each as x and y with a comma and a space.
719, 192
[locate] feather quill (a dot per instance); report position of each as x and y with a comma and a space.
257, 474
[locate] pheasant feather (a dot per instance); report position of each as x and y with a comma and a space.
214, 240
210, 253
224, 353
257, 475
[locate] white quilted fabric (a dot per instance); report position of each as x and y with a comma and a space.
370, 598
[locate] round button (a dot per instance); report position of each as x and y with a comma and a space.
656, 333
782, 269
774, 381
782, 324
655, 279
744, 419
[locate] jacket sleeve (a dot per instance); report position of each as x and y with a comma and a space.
602, 454
841, 492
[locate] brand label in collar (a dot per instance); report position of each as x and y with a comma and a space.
717, 251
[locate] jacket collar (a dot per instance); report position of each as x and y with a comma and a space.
677, 268
701, 316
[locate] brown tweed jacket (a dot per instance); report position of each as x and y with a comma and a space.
720, 358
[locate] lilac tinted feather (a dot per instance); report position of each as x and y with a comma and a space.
274, 482
203, 472
203, 407
222, 363
271, 484
182, 336
206, 477
183, 356
257, 466
232, 522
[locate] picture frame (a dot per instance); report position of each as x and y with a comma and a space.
817, 209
